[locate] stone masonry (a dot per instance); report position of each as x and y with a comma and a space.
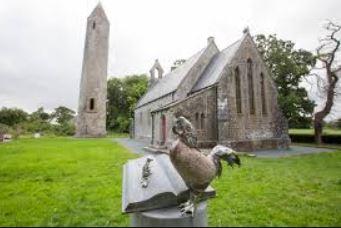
91, 119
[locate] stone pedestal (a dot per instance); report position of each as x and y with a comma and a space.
170, 217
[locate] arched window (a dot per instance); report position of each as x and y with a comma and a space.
262, 84
238, 91
94, 25
202, 121
197, 120
92, 104
250, 86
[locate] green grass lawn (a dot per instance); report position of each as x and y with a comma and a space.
73, 182
326, 131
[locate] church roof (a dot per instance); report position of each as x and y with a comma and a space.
213, 71
170, 82
211, 75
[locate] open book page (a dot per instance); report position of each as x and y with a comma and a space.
166, 187
158, 192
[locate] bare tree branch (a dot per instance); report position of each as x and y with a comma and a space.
326, 53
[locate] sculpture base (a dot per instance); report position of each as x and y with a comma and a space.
170, 217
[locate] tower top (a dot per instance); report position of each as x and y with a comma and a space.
99, 12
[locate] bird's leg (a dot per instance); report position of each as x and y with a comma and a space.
190, 207
188, 202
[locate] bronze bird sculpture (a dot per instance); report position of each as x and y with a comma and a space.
196, 169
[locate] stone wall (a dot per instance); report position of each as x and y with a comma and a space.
143, 118
246, 130
200, 109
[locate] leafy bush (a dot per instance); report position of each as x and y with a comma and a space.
308, 138
17, 122
68, 129
4, 128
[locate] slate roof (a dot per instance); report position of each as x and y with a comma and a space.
170, 82
213, 71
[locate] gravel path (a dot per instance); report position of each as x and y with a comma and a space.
132, 145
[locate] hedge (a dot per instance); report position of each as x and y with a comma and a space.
307, 138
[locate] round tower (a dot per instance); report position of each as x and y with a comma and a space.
91, 119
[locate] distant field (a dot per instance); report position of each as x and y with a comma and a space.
311, 131
77, 182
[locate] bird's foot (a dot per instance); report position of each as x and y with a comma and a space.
183, 205
187, 208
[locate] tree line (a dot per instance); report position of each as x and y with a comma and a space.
18, 122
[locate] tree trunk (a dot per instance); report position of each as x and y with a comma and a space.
319, 116
318, 127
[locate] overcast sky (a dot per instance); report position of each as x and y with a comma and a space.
41, 41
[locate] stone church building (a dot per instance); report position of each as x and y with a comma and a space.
228, 95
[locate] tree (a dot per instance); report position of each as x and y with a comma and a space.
40, 115
63, 115
12, 116
38, 122
289, 67
116, 102
123, 94
327, 82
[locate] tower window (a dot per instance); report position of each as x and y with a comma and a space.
94, 25
92, 104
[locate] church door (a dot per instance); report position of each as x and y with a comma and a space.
163, 129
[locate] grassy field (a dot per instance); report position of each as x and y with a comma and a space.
72, 182
326, 131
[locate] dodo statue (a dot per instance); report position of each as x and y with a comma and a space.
196, 169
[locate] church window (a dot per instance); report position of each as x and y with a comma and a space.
250, 86
197, 120
202, 121
264, 110
94, 25
238, 91
92, 104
